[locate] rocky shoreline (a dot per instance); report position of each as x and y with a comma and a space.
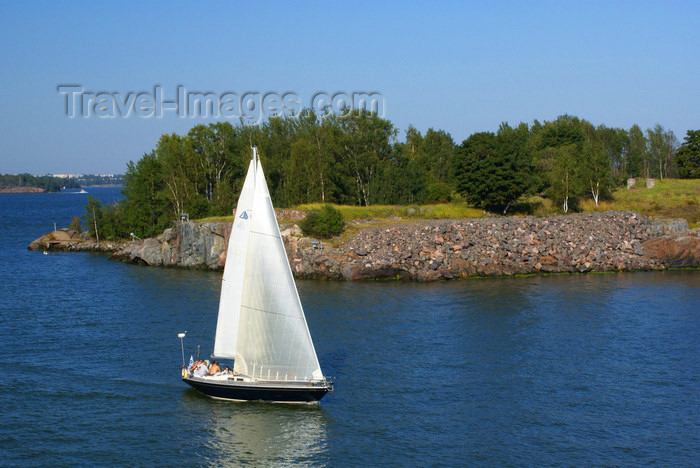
433, 250
22, 190
70, 240
611, 241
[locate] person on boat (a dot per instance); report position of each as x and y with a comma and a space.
196, 364
201, 370
226, 371
214, 369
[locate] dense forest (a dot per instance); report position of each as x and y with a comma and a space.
48, 183
357, 159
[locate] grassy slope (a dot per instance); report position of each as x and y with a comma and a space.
670, 198
437, 211
375, 212
215, 219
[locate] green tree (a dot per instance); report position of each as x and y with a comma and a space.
364, 144
414, 144
75, 224
547, 139
565, 130
616, 144
311, 162
113, 226
93, 217
637, 164
216, 150
354, 159
661, 148
471, 165
595, 168
181, 174
438, 192
437, 154
493, 171
278, 135
566, 182
688, 156
402, 179
145, 207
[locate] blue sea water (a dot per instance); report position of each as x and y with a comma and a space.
599, 369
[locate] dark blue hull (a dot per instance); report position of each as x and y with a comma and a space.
257, 391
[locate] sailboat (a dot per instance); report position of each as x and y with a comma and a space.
261, 324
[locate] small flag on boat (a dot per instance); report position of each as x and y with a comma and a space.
191, 362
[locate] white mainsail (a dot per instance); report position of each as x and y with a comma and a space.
261, 322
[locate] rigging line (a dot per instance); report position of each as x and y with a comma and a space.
265, 234
270, 312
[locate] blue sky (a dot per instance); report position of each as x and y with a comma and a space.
458, 66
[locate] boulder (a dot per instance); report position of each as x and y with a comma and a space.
292, 230
55, 240
151, 252
662, 226
680, 250
73, 241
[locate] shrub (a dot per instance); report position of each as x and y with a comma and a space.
75, 224
439, 192
324, 223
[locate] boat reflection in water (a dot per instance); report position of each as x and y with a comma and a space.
262, 434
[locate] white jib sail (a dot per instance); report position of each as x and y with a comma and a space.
273, 340
234, 269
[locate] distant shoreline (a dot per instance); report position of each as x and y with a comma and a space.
41, 190
22, 190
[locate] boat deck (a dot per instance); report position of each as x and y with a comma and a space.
242, 388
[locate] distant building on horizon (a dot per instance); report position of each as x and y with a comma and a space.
69, 176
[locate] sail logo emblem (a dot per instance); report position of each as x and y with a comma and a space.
244, 215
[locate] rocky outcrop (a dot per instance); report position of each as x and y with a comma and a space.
436, 249
185, 245
72, 240
189, 245
662, 227
57, 239
442, 249
22, 190
680, 250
